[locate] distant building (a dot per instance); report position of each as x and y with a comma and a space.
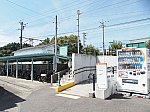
139, 43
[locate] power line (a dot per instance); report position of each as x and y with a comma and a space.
94, 28
94, 3
135, 21
114, 4
47, 15
23, 7
86, 11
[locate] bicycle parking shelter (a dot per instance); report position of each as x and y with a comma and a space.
31, 58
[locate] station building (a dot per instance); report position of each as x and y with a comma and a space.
139, 43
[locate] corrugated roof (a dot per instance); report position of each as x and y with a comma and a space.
34, 56
42, 46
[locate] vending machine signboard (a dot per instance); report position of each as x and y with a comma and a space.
133, 72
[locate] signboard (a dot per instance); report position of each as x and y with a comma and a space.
63, 50
101, 71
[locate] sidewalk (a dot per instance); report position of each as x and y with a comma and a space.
15, 91
79, 90
22, 84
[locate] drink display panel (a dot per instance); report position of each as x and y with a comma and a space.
132, 70
129, 60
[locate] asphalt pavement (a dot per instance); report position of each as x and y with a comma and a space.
14, 91
26, 96
46, 100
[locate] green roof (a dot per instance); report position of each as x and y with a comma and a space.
40, 57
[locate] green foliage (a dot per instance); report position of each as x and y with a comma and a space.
148, 44
46, 41
71, 41
8, 49
114, 46
91, 50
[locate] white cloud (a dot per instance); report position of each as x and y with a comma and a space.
40, 30
4, 40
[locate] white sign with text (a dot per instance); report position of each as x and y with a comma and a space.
101, 71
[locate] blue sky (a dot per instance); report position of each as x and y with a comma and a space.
40, 16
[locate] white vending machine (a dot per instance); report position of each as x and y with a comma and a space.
133, 71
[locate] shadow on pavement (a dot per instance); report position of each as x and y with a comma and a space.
117, 96
8, 100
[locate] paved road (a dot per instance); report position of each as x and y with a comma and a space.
45, 100
14, 91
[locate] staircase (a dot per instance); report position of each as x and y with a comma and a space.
67, 77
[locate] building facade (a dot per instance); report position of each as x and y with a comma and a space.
138, 43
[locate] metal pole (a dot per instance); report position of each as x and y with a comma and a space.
16, 68
93, 82
21, 23
59, 78
103, 39
55, 62
78, 13
32, 70
51, 80
84, 38
7, 68
102, 25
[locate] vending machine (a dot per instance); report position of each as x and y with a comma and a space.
133, 70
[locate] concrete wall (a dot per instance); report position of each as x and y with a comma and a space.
110, 60
86, 62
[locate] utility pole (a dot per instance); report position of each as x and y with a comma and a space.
103, 34
103, 38
55, 63
84, 39
21, 29
78, 14
102, 25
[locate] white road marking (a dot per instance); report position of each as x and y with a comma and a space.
68, 96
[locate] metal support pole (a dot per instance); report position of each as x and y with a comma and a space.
7, 68
32, 70
51, 80
16, 68
59, 78
55, 62
11, 68
103, 39
93, 82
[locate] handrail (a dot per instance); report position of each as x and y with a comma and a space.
85, 67
91, 68
77, 71
60, 71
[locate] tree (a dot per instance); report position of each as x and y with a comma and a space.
114, 46
8, 49
91, 50
148, 44
46, 41
70, 40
